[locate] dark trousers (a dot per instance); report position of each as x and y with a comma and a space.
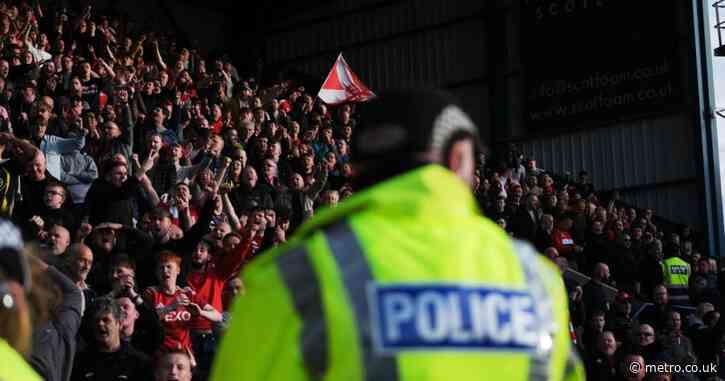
204, 345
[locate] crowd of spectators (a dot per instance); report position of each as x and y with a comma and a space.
148, 176
629, 311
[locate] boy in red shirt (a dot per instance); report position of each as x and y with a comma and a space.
176, 306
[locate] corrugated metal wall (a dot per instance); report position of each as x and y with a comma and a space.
317, 31
393, 44
652, 161
631, 154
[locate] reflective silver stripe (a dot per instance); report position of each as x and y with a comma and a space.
541, 358
356, 274
301, 280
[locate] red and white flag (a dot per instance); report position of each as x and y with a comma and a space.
342, 85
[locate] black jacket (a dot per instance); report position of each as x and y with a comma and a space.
54, 345
524, 225
594, 298
107, 203
125, 364
148, 334
132, 242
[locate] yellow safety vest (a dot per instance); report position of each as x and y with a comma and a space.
403, 281
676, 278
13, 367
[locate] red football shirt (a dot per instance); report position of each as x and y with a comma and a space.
563, 242
209, 283
176, 322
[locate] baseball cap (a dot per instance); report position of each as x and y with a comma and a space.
623, 297
13, 262
410, 121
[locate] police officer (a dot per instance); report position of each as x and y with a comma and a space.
404, 280
676, 275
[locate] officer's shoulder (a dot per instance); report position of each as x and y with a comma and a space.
529, 256
266, 261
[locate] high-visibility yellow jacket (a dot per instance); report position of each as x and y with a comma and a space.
676, 278
403, 281
13, 367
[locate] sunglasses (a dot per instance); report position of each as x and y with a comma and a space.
646, 334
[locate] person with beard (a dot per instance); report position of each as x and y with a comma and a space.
657, 315
109, 357
207, 277
595, 296
602, 364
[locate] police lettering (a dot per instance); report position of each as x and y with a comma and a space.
679, 270
418, 317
